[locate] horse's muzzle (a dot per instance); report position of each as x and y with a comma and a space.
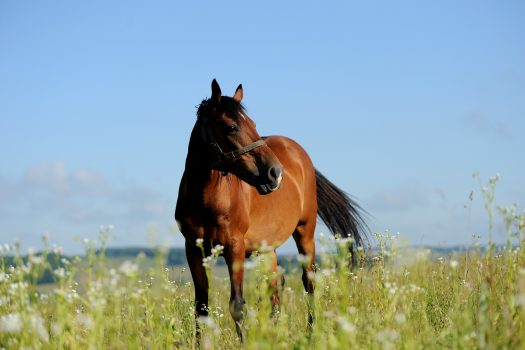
273, 180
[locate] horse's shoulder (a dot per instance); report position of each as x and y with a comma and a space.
278, 141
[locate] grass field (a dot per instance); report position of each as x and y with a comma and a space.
399, 299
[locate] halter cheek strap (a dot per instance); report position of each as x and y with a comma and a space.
221, 156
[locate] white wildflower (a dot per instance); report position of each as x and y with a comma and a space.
217, 250
453, 264
344, 242
25, 268
208, 321
4, 300
14, 288
60, 272
36, 260
345, 325
328, 272
37, 323
469, 336
97, 302
208, 261
137, 293
303, 259
199, 242
387, 337
11, 323
400, 318
4, 277
114, 277
415, 289
128, 268
56, 329
84, 320
265, 248
520, 300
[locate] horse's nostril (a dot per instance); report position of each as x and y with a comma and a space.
275, 172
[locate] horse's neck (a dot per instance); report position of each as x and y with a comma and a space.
199, 177
197, 170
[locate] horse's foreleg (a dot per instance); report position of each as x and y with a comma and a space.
200, 282
235, 254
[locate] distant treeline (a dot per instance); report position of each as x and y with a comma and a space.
174, 256
177, 257
55, 261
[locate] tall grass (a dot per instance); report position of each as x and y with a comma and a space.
400, 299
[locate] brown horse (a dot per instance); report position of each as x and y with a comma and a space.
240, 190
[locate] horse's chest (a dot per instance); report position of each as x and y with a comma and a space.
215, 213
209, 224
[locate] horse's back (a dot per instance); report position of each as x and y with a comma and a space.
274, 217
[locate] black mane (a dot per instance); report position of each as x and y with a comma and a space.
227, 105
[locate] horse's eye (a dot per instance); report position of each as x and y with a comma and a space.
231, 129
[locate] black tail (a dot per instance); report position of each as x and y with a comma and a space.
340, 213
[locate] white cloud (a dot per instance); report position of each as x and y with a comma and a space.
482, 124
53, 178
88, 182
442, 196
5, 189
50, 196
399, 198
49, 176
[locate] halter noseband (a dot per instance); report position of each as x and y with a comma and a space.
218, 154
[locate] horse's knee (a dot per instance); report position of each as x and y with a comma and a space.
236, 309
308, 281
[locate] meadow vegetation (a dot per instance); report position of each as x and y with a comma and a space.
399, 298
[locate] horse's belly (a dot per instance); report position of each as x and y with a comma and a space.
274, 217
272, 235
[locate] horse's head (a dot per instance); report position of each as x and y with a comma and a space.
233, 142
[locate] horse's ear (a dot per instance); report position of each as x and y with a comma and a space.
238, 94
215, 91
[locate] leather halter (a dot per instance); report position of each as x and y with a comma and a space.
219, 156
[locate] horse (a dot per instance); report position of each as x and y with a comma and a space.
240, 190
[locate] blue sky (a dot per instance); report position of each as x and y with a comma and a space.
396, 102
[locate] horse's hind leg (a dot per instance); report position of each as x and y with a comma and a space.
274, 284
304, 239
234, 254
200, 282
